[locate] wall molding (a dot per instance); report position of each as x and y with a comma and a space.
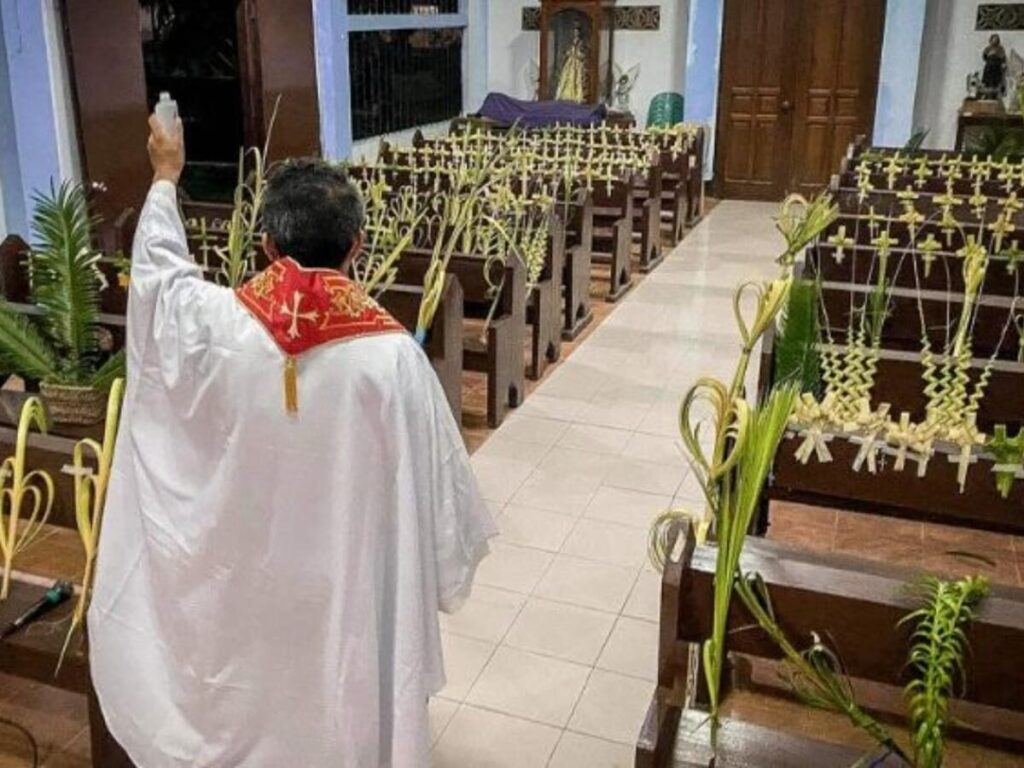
998, 17
634, 18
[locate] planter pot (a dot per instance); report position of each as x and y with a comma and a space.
74, 405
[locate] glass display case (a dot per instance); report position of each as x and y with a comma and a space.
576, 50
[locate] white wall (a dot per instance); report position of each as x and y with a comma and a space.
950, 51
661, 55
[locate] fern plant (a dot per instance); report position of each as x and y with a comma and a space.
936, 659
61, 344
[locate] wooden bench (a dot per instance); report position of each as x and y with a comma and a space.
33, 655
837, 597
499, 352
613, 234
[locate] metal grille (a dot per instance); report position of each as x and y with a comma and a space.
404, 78
379, 7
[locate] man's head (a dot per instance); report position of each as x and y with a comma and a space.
312, 213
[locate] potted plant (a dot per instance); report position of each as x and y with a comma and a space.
58, 342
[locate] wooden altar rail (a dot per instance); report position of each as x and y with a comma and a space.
837, 597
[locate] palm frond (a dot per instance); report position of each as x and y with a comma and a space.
796, 356
936, 659
23, 349
65, 280
110, 371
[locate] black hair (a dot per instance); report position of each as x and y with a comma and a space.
312, 212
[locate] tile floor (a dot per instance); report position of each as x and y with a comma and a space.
552, 662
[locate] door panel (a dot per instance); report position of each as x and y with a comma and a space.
798, 83
753, 128
105, 60
839, 56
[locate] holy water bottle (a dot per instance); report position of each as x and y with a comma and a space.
166, 111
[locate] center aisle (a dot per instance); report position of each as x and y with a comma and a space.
552, 661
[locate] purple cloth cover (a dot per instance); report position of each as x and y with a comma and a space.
539, 114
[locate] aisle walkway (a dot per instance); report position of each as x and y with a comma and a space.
552, 661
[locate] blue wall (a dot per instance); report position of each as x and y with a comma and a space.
702, 63
898, 76
31, 134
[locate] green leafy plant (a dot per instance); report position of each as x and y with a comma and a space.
60, 343
796, 345
936, 659
915, 142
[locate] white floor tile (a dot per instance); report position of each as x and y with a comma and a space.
548, 407
617, 415
499, 478
564, 631
656, 449
536, 528
464, 659
626, 507
487, 614
517, 569
440, 712
576, 750
595, 439
608, 542
528, 685
645, 600
531, 429
587, 583
645, 476
632, 649
476, 738
567, 493
612, 707
499, 446
571, 461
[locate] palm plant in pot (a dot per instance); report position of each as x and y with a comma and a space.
57, 341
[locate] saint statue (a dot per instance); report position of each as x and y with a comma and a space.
572, 80
993, 77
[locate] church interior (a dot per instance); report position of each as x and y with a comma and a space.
723, 295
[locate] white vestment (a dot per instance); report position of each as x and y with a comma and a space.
268, 583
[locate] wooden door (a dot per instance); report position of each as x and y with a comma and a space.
838, 59
114, 94
754, 112
798, 83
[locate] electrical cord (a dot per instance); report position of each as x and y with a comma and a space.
33, 746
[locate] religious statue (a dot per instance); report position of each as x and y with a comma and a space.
625, 80
993, 76
572, 79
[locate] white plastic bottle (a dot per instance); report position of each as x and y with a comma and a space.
166, 111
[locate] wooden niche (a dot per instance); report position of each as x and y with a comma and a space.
576, 50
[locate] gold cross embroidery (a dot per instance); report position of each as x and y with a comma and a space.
263, 284
295, 313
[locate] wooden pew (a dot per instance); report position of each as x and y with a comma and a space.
837, 597
499, 353
613, 234
34, 655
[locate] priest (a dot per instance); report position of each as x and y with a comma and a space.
291, 503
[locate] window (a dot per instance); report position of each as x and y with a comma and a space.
403, 78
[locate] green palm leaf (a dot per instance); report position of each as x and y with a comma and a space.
113, 369
64, 275
23, 350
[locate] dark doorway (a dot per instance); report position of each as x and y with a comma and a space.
224, 61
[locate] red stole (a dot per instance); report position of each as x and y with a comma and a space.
304, 308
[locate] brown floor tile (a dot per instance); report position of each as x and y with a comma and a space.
799, 525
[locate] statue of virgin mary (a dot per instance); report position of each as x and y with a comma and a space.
572, 79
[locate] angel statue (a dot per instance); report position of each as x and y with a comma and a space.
625, 80
572, 80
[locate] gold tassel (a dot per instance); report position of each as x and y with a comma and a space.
291, 386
